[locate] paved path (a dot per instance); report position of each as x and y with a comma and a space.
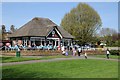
51, 60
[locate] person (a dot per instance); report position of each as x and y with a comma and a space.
33, 46
70, 51
85, 55
48, 47
21, 46
107, 53
66, 52
16, 46
74, 52
17, 50
63, 50
79, 51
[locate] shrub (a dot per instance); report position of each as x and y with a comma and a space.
115, 52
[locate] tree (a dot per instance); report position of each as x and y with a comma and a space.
0, 34
12, 28
107, 32
3, 29
82, 22
110, 36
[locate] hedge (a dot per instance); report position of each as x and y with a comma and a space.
115, 52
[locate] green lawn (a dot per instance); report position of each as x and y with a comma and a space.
104, 56
16, 59
64, 69
6, 59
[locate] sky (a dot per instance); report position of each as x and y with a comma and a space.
19, 13
60, 0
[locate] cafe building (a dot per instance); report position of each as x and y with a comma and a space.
41, 31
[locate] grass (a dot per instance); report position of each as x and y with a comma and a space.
104, 56
6, 59
64, 69
17, 59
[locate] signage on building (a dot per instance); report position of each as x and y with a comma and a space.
53, 33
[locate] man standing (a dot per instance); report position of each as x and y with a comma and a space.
79, 51
74, 51
107, 53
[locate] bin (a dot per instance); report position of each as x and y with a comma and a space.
17, 53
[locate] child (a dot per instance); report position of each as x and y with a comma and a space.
66, 52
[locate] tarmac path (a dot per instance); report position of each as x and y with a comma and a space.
54, 59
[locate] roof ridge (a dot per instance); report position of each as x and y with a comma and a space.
37, 18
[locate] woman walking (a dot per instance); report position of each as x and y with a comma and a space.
74, 52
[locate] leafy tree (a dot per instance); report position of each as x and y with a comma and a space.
82, 22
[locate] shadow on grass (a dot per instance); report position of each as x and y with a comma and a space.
18, 73
7, 58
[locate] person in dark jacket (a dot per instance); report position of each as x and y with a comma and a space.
107, 53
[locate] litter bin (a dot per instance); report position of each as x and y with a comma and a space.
17, 53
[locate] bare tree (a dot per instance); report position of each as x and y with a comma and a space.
107, 32
12, 28
3, 29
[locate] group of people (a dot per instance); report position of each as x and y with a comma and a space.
74, 51
78, 52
